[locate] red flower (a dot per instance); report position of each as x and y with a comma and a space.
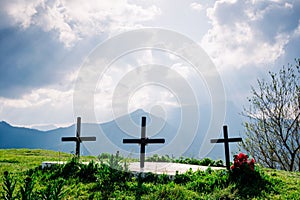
241, 160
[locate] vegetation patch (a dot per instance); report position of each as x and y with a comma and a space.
9, 161
110, 179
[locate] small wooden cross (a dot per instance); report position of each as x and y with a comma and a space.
143, 141
78, 139
226, 141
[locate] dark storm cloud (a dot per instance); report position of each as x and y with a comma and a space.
268, 18
279, 18
29, 59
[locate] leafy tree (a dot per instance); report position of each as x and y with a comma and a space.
273, 126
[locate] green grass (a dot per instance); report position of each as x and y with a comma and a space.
20, 160
99, 181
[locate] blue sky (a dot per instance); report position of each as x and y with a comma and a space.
44, 43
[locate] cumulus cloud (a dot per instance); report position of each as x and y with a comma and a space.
250, 32
52, 106
197, 6
35, 34
74, 20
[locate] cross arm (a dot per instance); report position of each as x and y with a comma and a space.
224, 140
131, 141
155, 140
88, 138
144, 141
69, 139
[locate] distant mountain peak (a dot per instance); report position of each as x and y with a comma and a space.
4, 123
139, 113
44, 127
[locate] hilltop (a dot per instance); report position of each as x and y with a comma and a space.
76, 181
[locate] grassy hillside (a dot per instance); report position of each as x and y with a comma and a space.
21, 160
99, 181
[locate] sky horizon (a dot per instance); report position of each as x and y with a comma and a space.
46, 44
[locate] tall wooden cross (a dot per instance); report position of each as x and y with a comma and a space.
143, 141
226, 141
77, 138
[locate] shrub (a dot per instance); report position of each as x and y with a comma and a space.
203, 162
70, 169
104, 156
8, 187
249, 181
110, 180
114, 161
206, 182
27, 188
206, 162
183, 178
218, 163
88, 173
54, 190
157, 158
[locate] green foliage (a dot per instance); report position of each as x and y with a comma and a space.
8, 186
88, 173
251, 183
183, 178
273, 120
157, 158
203, 162
114, 161
27, 189
53, 191
185, 160
173, 191
70, 169
110, 179
75, 180
104, 156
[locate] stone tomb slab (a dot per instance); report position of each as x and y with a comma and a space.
167, 168
153, 167
46, 164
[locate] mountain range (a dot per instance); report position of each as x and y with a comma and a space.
110, 136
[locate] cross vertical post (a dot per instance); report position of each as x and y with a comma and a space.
143, 141
226, 146
78, 136
78, 139
226, 141
143, 144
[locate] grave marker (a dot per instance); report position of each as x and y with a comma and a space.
78, 139
143, 141
226, 141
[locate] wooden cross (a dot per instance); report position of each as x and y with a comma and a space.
226, 141
143, 141
78, 139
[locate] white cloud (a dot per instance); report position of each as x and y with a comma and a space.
197, 6
249, 32
152, 95
288, 5
40, 107
74, 20
21, 11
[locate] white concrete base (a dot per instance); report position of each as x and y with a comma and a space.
50, 163
167, 168
153, 167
